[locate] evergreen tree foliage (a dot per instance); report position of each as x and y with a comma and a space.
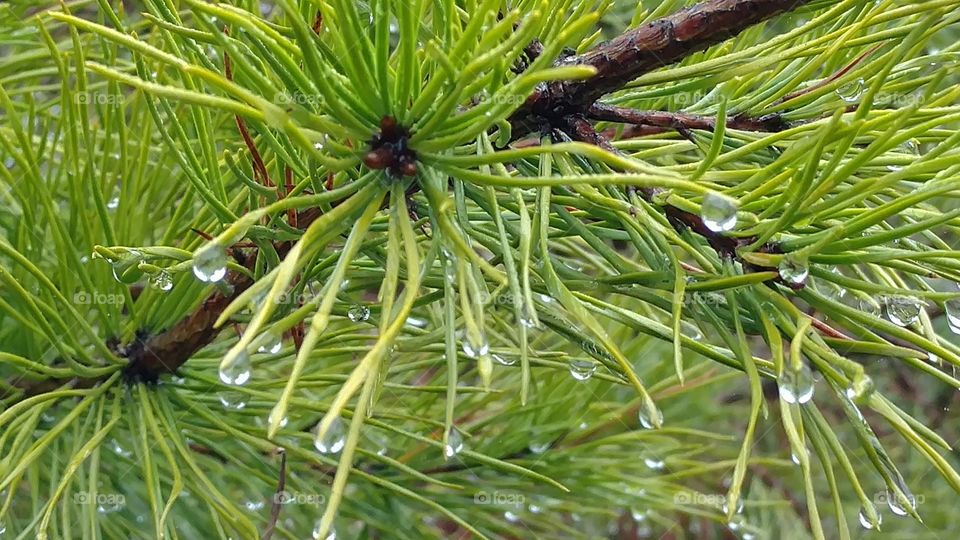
462, 268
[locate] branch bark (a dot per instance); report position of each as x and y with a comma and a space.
644, 49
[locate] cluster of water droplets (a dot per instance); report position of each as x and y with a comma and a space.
718, 212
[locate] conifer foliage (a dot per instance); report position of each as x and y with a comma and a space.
476, 268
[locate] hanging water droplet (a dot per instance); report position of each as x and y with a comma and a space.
648, 422
475, 346
539, 447
113, 203
793, 270
866, 521
237, 372
638, 515
317, 529
118, 449
511, 517
719, 212
416, 322
796, 385
903, 310
851, 92
654, 463
271, 344
952, 309
860, 387
454, 443
526, 318
333, 440
210, 263
582, 370
232, 400
162, 281
275, 417
691, 331
358, 313
504, 361
725, 507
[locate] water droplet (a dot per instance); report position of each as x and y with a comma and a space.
113, 203
333, 440
792, 270
638, 515
868, 305
582, 370
162, 281
504, 361
358, 313
317, 529
851, 92
275, 417
475, 346
719, 212
210, 263
253, 506
232, 400
526, 318
903, 310
118, 449
454, 443
867, 522
796, 385
691, 331
237, 372
511, 517
952, 309
860, 387
534, 508
539, 447
271, 344
646, 421
415, 322
654, 463
725, 508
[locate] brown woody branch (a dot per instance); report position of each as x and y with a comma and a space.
642, 50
